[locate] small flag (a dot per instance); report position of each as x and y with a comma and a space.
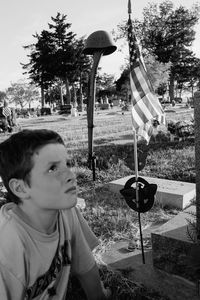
6, 111
145, 105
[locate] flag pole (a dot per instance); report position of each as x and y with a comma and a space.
136, 168
136, 191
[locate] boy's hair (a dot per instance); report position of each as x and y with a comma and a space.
16, 154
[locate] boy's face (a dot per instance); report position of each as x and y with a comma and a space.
52, 184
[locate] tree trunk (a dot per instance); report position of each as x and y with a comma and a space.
81, 94
68, 94
74, 96
192, 90
42, 96
61, 95
171, 87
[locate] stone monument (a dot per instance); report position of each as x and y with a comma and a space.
176, 246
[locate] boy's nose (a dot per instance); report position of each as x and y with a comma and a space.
67, 175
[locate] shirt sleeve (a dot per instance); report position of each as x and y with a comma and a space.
10, 286
83, 242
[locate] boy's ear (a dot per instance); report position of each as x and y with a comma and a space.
18, 187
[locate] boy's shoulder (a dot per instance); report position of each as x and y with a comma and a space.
8, 229
13, 254
10, 238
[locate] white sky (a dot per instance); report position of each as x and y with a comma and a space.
20, 19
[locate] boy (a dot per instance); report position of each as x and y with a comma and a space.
43, 236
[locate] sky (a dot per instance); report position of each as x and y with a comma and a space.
21, 19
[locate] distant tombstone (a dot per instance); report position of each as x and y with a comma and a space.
106, 100
65, 109
45, 111
74, 112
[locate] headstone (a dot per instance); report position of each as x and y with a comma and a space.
74, 112
65, 109
170, 193
172, 244
106, 100
104, 106
176, 247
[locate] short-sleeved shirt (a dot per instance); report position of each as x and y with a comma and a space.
35, 265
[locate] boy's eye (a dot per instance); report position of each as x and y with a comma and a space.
53, 168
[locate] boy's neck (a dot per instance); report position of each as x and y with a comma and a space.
45, 223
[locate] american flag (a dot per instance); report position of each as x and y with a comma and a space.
145, 105
6, 111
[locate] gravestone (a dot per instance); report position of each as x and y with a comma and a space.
175, 246
170, 193
65, 109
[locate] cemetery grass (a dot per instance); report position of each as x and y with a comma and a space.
108, 214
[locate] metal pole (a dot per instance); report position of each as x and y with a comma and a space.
90, 110
137, 194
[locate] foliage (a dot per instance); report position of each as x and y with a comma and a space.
2, 96
123, 80
122, 287
39, 66
22, 93
167, 33
161, 89
105, 85
158, 74
63, 51
56, 57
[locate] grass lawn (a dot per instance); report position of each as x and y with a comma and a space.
108, 214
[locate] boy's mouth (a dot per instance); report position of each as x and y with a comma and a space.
73, 188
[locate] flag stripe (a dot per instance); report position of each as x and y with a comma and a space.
145, 109
139, 83
145, 131
142, 110
136, 119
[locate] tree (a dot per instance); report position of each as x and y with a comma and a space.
52, 55
186, 75
2, 96
22, 93
161, 89
56, 58
64, 53
80, 72
105, 85
158, 74
166, 33
123, 84
39, 67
